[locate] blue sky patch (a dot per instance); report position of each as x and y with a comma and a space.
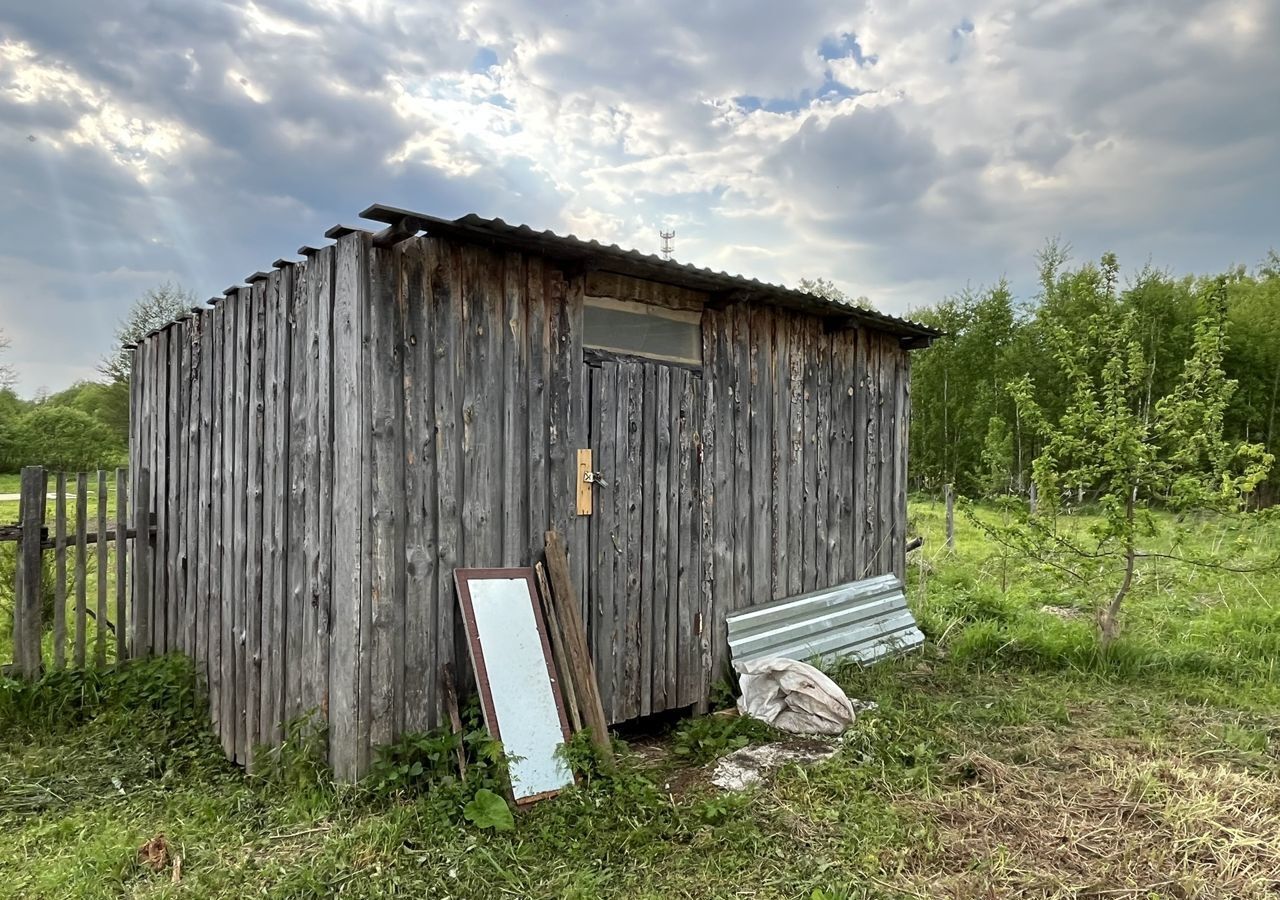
844, 46
483, 59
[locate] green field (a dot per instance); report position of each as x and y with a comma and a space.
1010, 758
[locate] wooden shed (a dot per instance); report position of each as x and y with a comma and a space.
326, 443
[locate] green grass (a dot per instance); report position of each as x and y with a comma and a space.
1011, 758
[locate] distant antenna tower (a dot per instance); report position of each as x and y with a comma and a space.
668, 242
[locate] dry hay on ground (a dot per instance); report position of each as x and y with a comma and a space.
1099, 821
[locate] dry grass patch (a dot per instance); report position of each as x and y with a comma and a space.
1101, 819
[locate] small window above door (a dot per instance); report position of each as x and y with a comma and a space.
641, 329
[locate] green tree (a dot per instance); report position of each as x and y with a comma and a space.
1253, 359
1173, 452
7, 375
958, 387
157, 307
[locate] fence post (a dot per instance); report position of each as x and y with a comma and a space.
27, 627
951, 517
122, 543
141, 564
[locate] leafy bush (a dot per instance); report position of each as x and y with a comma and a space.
63, 439
705, 738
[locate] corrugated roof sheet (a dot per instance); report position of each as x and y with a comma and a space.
863, 621
611, 257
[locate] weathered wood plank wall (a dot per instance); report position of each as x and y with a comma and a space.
804, 459
327, 444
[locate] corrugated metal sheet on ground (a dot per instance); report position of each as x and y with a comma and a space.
864, 621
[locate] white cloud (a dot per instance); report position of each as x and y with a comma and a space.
939, 147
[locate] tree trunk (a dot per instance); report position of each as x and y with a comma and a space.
1109, 618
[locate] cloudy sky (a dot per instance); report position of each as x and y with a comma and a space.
903, 149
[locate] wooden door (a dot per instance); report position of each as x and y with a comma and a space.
644, 580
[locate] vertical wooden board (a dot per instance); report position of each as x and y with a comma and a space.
860, 455
178, 398
278, 593
515, 412
347, 731
903, 455
872, 441
421, 617
704, 521
190, 450
297, 409
140, 636
481, 423
560, 461
692, 620
889, 427
249, 548
159, 491
822, 447
149, 350
447, 339
563, 435
60, 573
232, 471
718, 493
243, 417
577, 424
780, 381
122, 550
212, 540
387, 499
300, 410
269, 600
795, 463
839, 518
538, 375
191, 471
82, 508
743, 545
635, 538
760, 416
567, 425
620, 539
481, 410
173, 597
135, 465
100, 648
600, 623
646, 547
322, 530
664, 552
812, 477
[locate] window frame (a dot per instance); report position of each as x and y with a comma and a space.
635, 307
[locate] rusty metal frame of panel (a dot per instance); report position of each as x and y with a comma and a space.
863, 621
507, 638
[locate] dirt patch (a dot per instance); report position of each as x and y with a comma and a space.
1101, 820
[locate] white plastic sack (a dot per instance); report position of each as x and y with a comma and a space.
793, 696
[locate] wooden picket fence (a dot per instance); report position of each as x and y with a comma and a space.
88, 629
